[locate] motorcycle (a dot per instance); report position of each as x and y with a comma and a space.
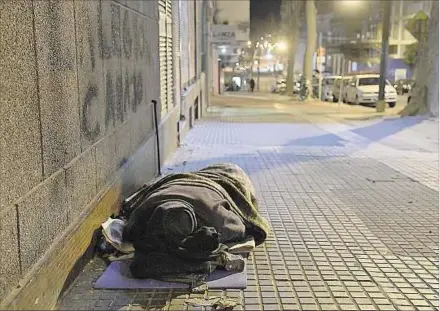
304, 91
283, 89
280, 87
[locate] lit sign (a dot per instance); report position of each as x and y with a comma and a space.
224, 34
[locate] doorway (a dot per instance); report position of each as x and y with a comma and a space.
196, 109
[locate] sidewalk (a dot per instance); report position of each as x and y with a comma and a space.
353, 206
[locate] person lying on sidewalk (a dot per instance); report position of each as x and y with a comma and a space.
182, 226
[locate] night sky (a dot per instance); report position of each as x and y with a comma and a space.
261, 9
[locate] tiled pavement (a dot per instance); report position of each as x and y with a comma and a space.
354, 216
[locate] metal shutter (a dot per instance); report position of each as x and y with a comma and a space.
163, 73
192, 41
170, 73
176, 51
166, 55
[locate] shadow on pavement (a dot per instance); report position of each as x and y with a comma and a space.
373, 132
386, 128
327, 140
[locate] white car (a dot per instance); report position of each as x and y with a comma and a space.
364, 89
336, 89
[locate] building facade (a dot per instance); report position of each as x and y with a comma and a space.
78, 123
360, 50
233, 16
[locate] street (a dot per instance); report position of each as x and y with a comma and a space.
101, 98
352, 198
261, 105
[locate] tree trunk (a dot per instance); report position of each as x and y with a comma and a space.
425, 95
291, 60
311, 44
414, 72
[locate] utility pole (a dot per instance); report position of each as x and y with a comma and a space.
380, 106
319, 66
341, 84
258, 67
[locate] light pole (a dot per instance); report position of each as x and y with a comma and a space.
319, 65
259, 48
258, 69
380, 107
341, 84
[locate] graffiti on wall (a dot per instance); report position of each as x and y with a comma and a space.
119, 60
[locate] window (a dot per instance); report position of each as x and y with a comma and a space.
203, 47
166, 65
369, 81
392, 49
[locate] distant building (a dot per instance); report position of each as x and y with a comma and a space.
359, 50
227, 48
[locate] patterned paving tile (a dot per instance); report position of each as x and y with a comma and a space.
353, 229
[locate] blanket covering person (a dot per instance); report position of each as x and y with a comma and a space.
179, 224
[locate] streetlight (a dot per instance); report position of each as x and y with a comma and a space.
351, 2
282, 46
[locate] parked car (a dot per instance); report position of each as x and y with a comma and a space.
403, 86
336, 89
364, 89
327, 87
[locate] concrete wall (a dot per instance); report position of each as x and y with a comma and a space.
76, 86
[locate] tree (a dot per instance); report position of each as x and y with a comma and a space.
311, 13
425, 94
290, 17
410, 54
417, 26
